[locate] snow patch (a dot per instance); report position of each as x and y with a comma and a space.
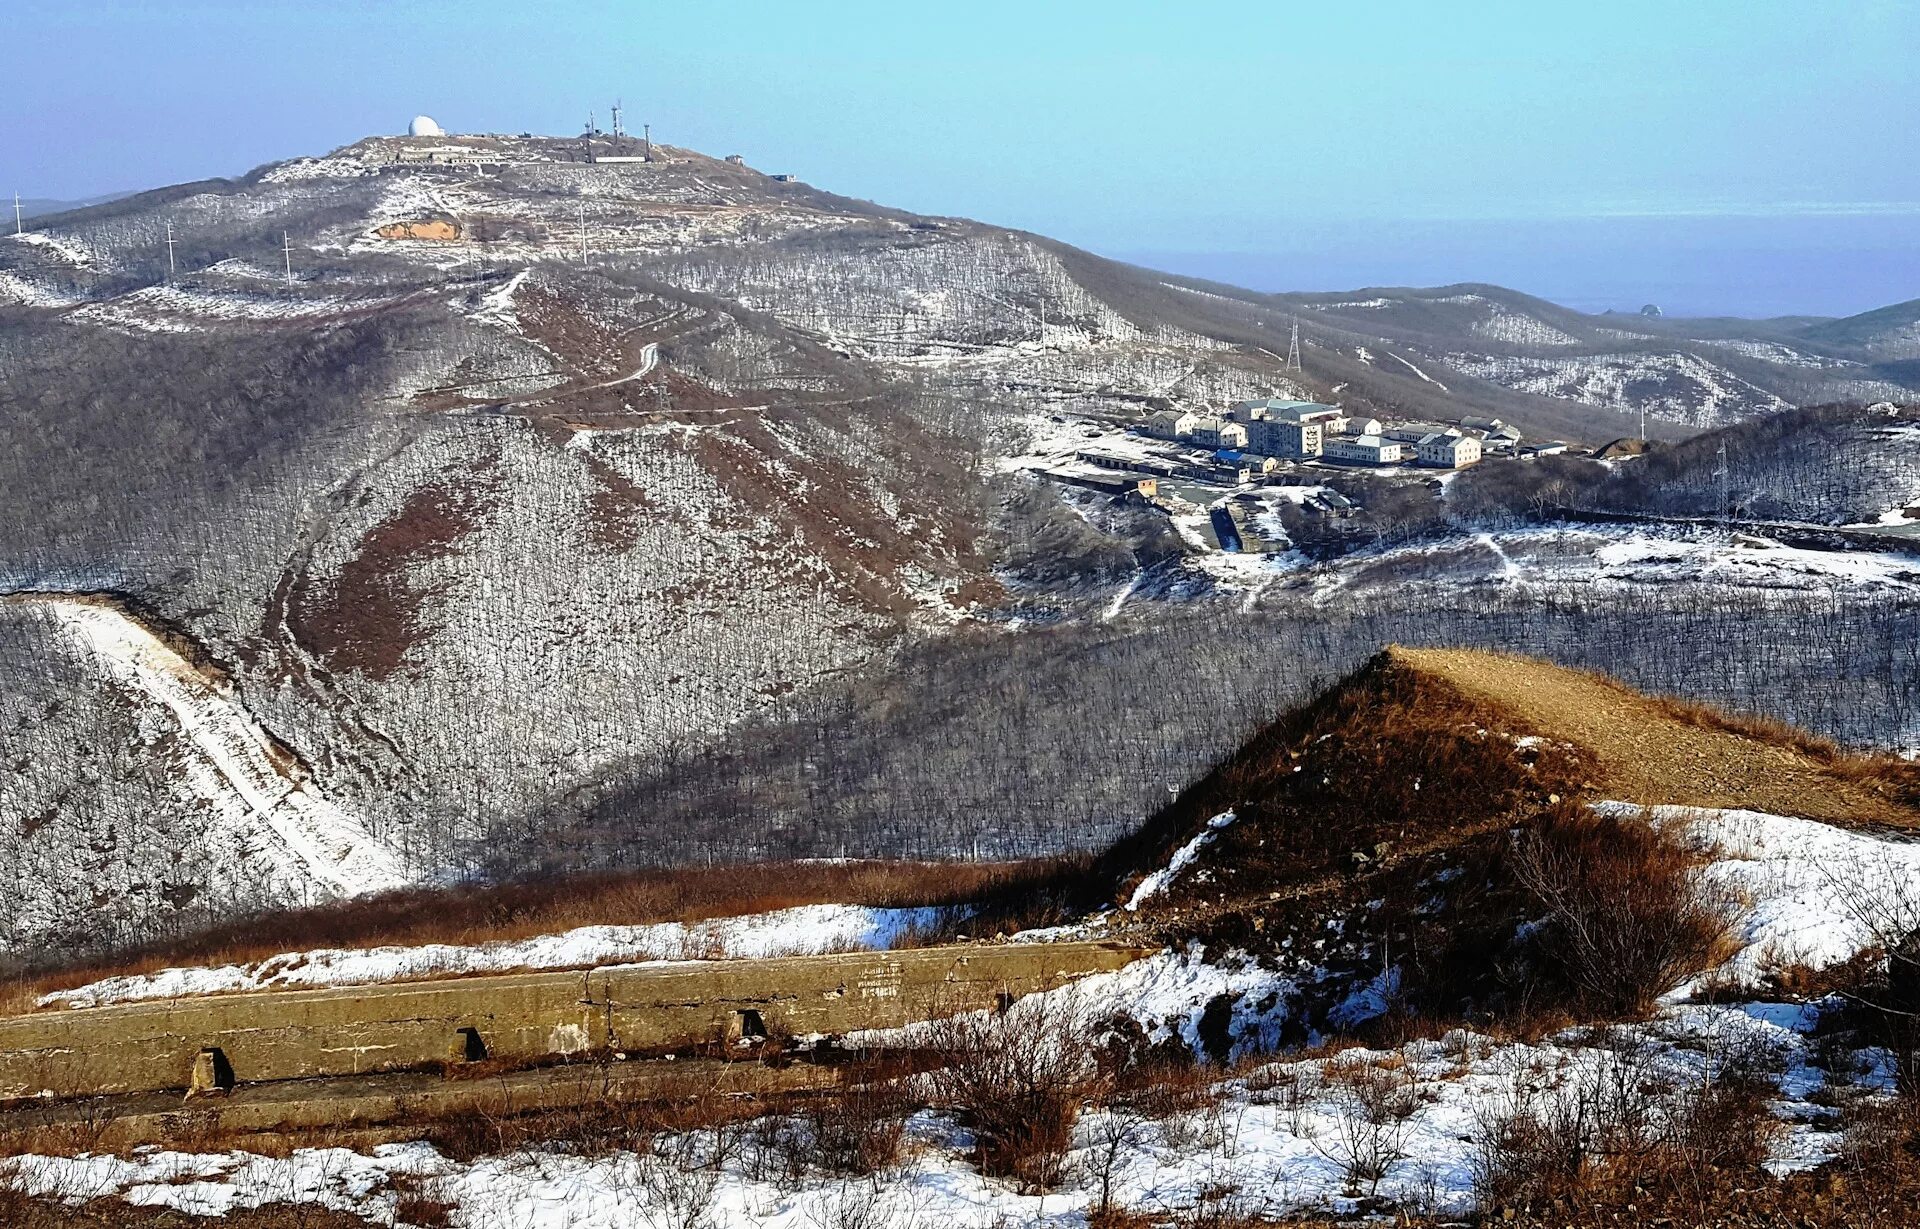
805, 930
1159, 880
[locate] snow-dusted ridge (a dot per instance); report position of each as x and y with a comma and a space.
257, 797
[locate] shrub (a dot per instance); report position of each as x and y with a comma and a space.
857, 1130
1017, 1081
1377, 1102
1627, 915
1614, 1121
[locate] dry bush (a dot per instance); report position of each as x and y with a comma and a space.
1627, 914
1389, 759
1617, 1122
1377, 1100
1017, 1081
421, 1211
858, 1129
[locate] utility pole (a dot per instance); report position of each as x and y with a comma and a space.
1293, 347
1725, 475
286, 250
169, 251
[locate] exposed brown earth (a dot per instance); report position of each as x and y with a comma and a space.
437, 229
1657, 751
370, 617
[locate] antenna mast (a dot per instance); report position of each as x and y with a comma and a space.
646, 140
616, 119
286, 250
1293, 347
169, 251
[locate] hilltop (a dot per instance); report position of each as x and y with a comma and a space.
1424, 749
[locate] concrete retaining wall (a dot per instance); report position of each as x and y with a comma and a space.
303, 1034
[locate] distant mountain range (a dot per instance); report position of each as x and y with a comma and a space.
36, 206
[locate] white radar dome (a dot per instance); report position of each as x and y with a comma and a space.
423, 126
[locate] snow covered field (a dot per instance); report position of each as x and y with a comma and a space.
1279, 1140
1616, 555
800, 931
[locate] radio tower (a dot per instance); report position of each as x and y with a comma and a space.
1293, 347
616, 119
646, 141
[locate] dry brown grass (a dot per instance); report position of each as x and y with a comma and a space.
480, 914
1388, 763
1659, 749
19, 1211
1889, 775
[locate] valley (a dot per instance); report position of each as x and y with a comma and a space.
568, 681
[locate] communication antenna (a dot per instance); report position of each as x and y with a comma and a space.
646, 140
169, 251
616, 119
286, 250
1293, 347
590, 128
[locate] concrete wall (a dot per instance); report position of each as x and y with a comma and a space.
302, 1034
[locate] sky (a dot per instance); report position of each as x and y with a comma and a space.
1580, 150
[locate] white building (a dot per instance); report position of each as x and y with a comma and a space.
1447, 451
1279, 437
1414, 432
1219, 433
1363, 449
1275, 409
1171, 424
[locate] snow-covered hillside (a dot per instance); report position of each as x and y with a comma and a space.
1676, 386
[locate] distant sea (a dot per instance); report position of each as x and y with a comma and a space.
1694, 265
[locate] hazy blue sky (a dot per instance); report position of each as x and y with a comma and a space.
1336, 137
